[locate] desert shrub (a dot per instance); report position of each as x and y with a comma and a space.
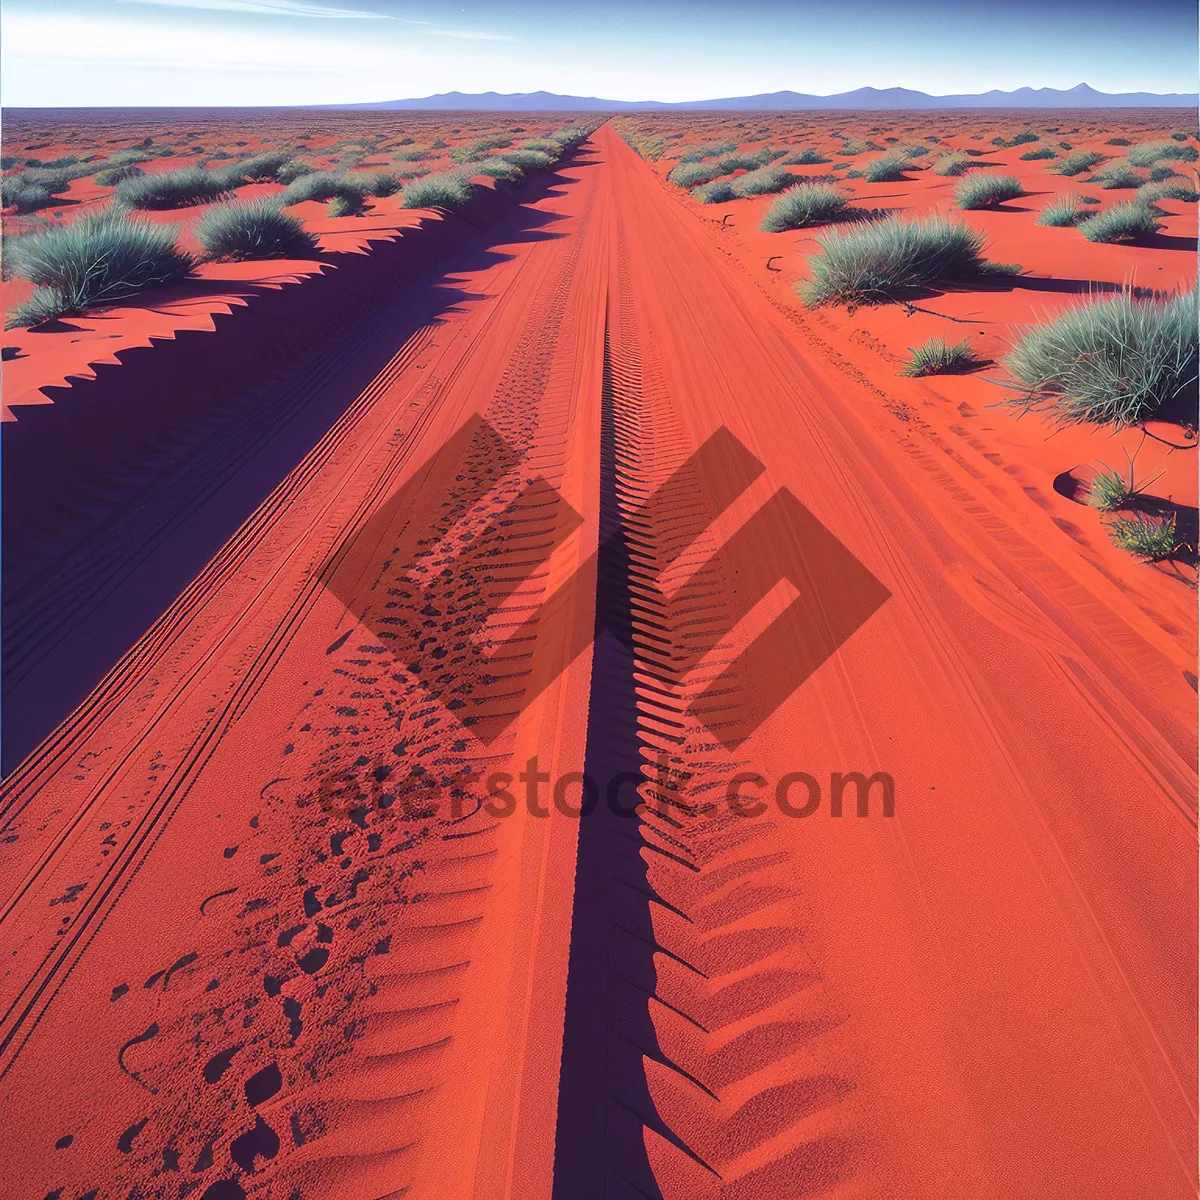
1118, 177
1158, 174
983, 190
347, 204
885, 260
1062, 210
804, 205
1040, 153
438, 191
952, 164
690, 175
131, 155
889, 168
851, 146
171, 189
497, 168
416, 155
115, 175
8, 161
1151, 152
1126, 222
1024, 137
1150, 538
97, 258
1076, 164
55, 180
1179, 137
260, 168
1114, 361
249, 229
805, 158
935, 357
374, 183
413, 172
1111, 490
1108, 491
762, 182
694, 154
717, 192
1118, 141
1165, 190
738, 162
322, 186
17, 192
915, 151
529, 161
289, 172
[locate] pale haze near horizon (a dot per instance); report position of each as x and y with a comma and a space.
72, 53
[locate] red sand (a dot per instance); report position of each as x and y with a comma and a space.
990, 994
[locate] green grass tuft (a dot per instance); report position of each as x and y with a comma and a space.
952, 165
1076, 164
690, 175
291, 171
1062, 211
886, 260
983, 190
438, 191
183, 188
1040, 153
1149, 153
91, 261
804, 205
889, 168
934, 357
1118, 177
805, 158
1114, 361
1152, 539
1167, 190
374, 183
717, 192
762, 182
530, 161
1126, 222
241, 230
116, 175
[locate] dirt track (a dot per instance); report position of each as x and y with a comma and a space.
221, 965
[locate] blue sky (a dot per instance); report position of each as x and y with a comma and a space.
197, 52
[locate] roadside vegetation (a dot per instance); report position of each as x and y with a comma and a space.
936, 357
253, 229
805, 205
1114, 361
888, 260
86, 263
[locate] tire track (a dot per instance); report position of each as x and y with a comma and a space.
364, 882
715, 1071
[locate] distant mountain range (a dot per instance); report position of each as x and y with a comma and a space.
1081, 96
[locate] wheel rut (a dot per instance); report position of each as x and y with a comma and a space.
699, 1053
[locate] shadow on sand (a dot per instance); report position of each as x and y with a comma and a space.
117, 494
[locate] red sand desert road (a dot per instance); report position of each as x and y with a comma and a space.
236, 964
